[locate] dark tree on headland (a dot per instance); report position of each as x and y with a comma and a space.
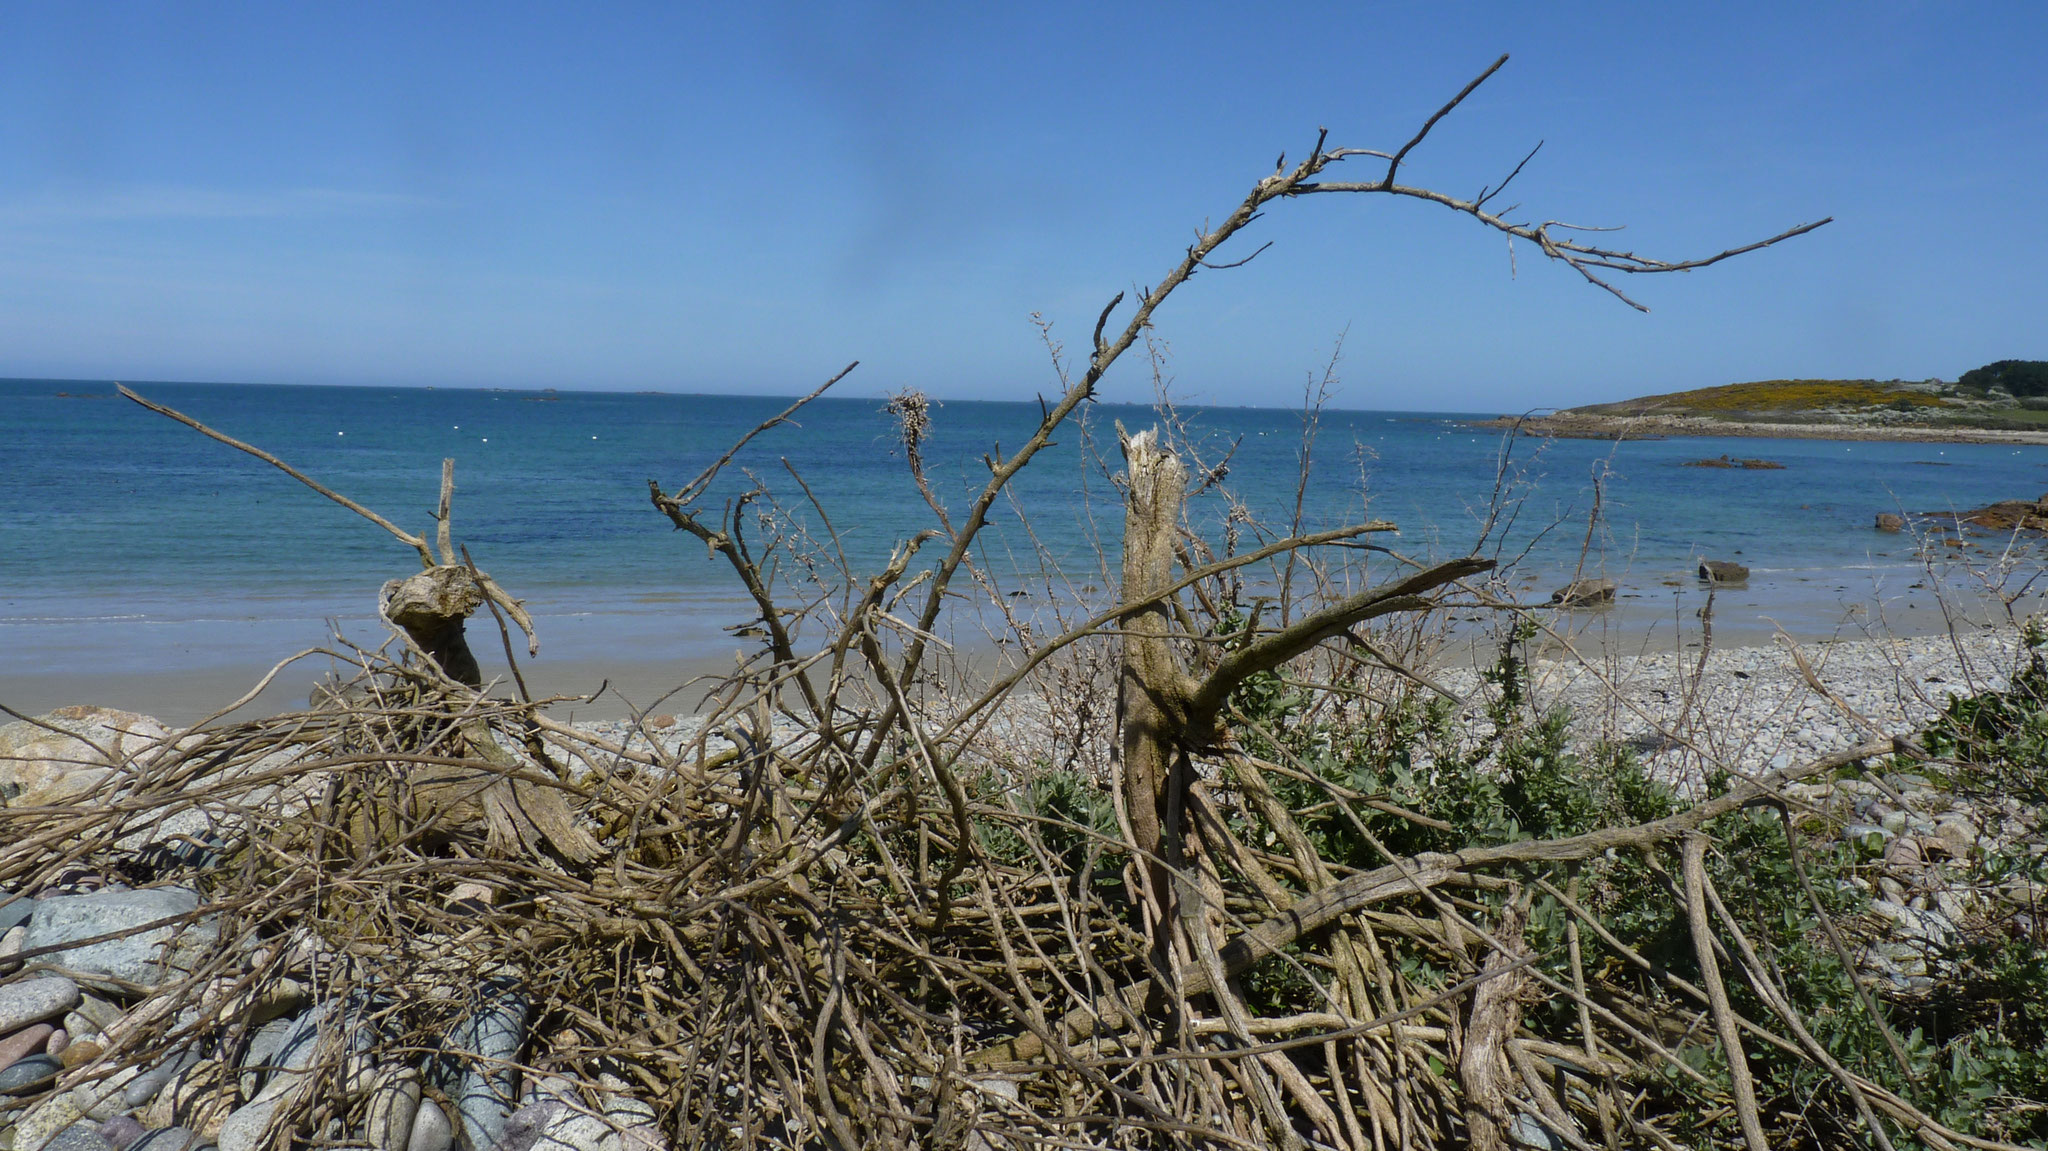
2018, 377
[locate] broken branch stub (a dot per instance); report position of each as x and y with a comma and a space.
432, 607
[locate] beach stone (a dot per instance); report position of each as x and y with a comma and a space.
1723, 571
1890, 522
122, 1131
494, 1035
79, 1137
28, 1073
243, 1128
394, 1102
40, 767
431, 1130
58, 1041
140, 957
24, 1043
632, 1120
524, 1127
16, 911
169, 1139
80, 1053
11, 941
34, 1000
262, 1052
1584, 593
1957, 833
101, 1013
42, 1124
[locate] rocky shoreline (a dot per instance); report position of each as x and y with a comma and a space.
1581, 426
92, 958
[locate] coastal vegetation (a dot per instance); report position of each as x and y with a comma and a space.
1217, 859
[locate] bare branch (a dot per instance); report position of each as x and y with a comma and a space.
417, 543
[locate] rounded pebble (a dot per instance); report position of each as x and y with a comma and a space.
34, 1000
79, 1137
430, 1129
59, 1040
169, 1139
24, 1043
25, 1075
122, 1131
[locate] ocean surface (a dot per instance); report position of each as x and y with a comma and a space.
129, 543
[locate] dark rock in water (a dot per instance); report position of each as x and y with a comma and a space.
1754, 465
1584, 593
1890, 522
34, 1000
24, 1075
1723, 571
79, 1137
144, 957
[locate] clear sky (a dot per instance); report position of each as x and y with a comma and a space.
744, 197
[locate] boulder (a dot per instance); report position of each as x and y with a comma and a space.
1890, 522
1723, 571
69, 752
1584, 593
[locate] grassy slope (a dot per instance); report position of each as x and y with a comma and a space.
1773, 397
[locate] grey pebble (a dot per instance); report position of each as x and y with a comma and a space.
79, 1137
24, 1075
34, 1000
523, 1127
170, 1139
431, 1130
495, 1033
136, 957
122, 1131
16, 910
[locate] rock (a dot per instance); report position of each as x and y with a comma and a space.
1890, 522
59, 1040
431, 1130
34, 1000
11, 941
191, 1097
39, 766
243, 1129
1584, 593
1957, 833
169, 1139
16, 910
631, 1119
24, 1043
144, 957
394, 1102
79, 1137
101, 1097
143, 1087
42, 1124
1723, 571
122, 1131
263, 1047
29, 1074
80, 1053
494, 1035
523, 1128
101, 1013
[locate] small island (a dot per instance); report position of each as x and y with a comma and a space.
2006, 401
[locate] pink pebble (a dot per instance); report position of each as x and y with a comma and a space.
59, 1040
24, 1043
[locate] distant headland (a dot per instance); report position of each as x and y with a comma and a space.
2006, 402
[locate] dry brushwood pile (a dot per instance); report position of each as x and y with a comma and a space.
1170, 872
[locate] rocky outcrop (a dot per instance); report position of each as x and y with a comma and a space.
1589, 592
1723, 571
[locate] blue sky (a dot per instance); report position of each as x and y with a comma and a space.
696, 198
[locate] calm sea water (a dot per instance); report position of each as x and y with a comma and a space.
128, 541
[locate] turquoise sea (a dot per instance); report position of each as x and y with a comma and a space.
130, 543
